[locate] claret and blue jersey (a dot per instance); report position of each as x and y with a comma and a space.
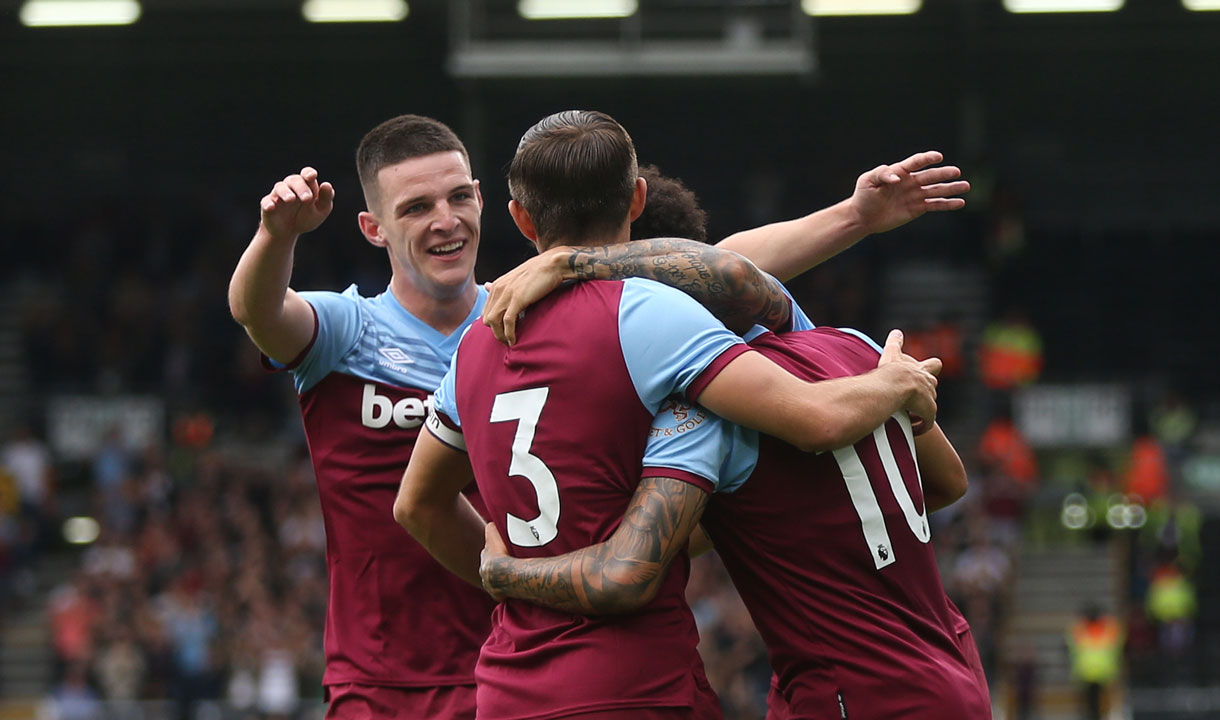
558, 432
365, 385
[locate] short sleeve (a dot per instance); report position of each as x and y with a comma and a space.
668, 340
443, 420
338, 331
799, 321
690, 443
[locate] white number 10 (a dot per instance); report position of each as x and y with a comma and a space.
525, 406
865, 499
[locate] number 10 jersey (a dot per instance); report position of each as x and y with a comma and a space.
831, 554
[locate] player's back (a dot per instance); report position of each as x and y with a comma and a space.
831, 554
556, 431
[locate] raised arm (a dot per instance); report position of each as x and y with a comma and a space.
279, 321
724, 282
753, 391
619, 575
431, 506
884, 198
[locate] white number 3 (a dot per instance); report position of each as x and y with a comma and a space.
525, 406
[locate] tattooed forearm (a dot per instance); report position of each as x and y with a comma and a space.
616, 576
727, 284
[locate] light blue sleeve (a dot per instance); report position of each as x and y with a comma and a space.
691, 438
667, 339
340, 325
800, 321
444, 400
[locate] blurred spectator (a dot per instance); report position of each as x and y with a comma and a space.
1095, 643
1173, 420
28, 462
1147, 470
74, 613
1173, 529
112, 469
1172, 606
120, 667
941, 339
1004, 451
1009, 471
1023, 662
733, 652
1011, 352
73, 698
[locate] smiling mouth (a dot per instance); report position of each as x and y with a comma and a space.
450, 248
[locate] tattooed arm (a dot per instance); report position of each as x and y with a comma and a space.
726, 283
619, 575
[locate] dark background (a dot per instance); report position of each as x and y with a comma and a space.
1101, 128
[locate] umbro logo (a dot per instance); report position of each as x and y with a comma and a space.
396, 356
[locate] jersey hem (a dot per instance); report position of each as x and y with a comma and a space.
577, 710
684, 475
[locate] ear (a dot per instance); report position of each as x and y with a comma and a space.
524, 222
370, 226
638, 197
478, 195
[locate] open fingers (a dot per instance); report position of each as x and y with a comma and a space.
940, 174
959, 187
921, 160
942, 204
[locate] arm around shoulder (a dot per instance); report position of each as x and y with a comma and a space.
755, 392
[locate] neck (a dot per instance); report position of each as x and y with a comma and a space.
622, 235
445, 313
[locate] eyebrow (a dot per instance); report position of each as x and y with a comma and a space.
399, 207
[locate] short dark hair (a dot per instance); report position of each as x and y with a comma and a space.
575, 173
402, 138
672, 209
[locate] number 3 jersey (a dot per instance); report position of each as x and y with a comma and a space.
395, 616
831, 554
557, 428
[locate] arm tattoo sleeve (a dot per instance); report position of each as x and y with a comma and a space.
618, 575
724, 282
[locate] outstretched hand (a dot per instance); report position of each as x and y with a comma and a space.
892, 195
517, 289
922, 403
493, 548
297, 204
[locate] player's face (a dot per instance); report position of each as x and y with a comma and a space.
429, 215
